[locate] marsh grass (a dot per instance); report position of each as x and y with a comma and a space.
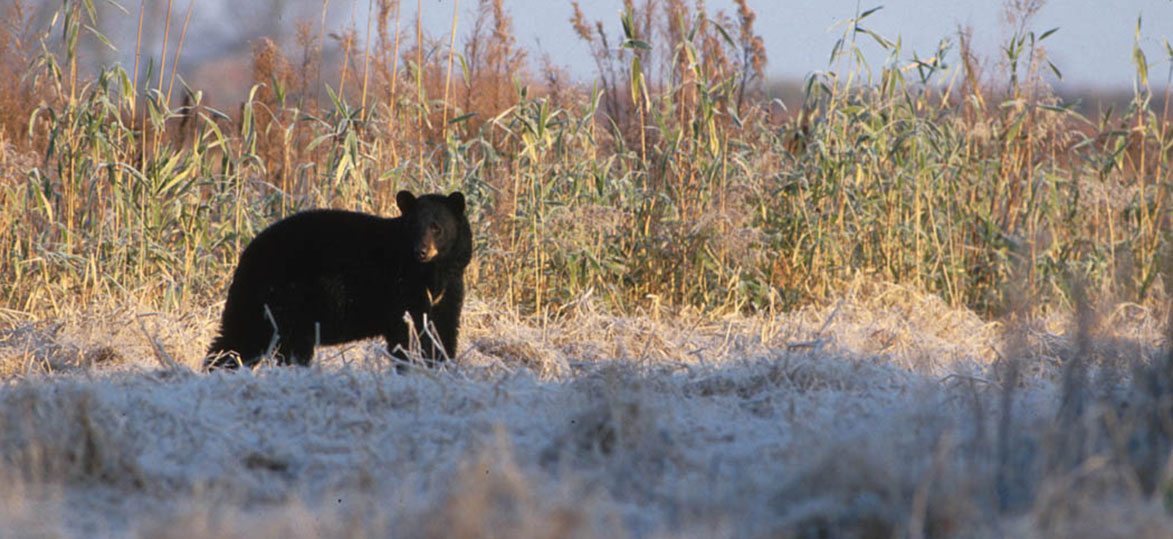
673, 180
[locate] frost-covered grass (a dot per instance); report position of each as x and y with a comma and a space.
880, 414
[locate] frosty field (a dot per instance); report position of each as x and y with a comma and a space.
880, 414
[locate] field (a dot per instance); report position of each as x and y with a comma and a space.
885, 414
927, 298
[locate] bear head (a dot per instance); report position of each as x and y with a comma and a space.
438, 226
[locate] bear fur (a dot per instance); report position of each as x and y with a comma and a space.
332, 276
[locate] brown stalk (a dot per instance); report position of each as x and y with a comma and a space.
419, 85
179, 50
366, 63
134, 110
138, 47
166, 37
321, 41
394, 79
159, 88
448, 78
346, 40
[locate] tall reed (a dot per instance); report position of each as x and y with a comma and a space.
674, 178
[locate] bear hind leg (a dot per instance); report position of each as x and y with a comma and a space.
295, 349
230, 352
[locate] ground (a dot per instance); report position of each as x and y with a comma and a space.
880, 413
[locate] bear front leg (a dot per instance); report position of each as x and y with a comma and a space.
398, 339
445, 319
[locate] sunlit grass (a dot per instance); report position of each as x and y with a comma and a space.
674, 179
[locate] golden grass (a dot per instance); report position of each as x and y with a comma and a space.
675, 180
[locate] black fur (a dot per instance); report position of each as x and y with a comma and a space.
331, 276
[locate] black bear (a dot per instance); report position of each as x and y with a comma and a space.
332, 276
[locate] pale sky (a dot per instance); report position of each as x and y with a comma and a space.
1092, 47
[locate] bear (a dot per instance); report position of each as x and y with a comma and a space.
334, 276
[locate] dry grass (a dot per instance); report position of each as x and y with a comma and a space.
682, 182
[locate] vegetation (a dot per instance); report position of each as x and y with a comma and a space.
916, 192
673, 179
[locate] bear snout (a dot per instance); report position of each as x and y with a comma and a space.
425, 253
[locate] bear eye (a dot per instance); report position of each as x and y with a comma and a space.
435, 229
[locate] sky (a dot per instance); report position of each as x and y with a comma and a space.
1092, 47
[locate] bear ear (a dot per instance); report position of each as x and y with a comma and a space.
456, 200
405, 200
